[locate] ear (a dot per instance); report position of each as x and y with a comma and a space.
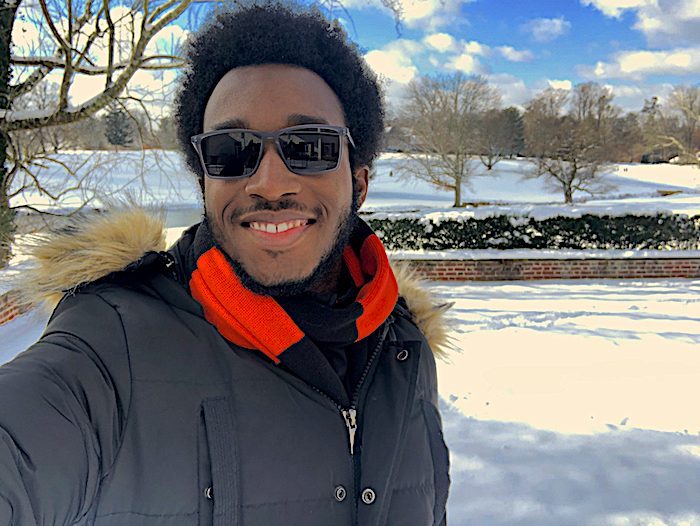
361, 176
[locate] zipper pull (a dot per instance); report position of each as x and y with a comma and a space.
350, 417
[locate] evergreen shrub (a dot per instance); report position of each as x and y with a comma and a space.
588, 232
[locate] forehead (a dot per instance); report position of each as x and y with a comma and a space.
271, 96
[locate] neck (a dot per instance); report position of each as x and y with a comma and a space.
328, 284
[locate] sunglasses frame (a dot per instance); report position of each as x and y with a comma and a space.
342, 132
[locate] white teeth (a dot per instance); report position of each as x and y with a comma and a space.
272, 228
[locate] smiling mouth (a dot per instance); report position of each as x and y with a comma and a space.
277, 228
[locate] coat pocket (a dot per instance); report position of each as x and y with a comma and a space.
218, 470
441, 460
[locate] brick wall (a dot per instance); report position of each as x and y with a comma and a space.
9, 307
516, 269
510, 269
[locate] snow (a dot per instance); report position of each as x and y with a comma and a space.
566, 402
492, 253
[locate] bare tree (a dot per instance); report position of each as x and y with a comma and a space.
109, 40
628, 138
77, 39
592, 107
442, 113
661, 129
497, 135
562, 145
685, 102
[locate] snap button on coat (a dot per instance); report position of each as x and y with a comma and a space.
209, 492
403, 355
340, 493
368, 496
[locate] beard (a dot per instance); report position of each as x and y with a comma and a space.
327, 264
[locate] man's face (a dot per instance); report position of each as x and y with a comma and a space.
279, 228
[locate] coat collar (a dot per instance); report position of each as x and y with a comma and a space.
98, 245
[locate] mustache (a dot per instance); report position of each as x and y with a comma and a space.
274, 206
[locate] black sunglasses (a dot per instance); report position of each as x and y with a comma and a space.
309, 149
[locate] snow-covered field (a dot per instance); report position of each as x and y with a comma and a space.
565, 402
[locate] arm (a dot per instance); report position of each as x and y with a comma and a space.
62, 406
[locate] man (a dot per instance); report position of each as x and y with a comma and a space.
264, 370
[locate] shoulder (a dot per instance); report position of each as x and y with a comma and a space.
89, 249
424, 310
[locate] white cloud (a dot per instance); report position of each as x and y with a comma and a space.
428, 14
441, 42
547, 29
632, 97
637, 65
394, 60
512, 89
514, 55
462, 55
663, 22
559, 84
475, 48
615, 8
468, 64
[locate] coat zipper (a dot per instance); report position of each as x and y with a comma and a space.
350, 414
350, 417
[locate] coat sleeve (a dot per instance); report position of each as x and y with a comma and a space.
62, 411
441, 457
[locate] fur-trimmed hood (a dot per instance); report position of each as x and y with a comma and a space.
95, 246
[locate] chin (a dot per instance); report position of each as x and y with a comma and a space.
277, 285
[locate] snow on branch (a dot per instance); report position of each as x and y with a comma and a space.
58, 62
72, 56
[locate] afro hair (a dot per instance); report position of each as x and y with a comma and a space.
275, 33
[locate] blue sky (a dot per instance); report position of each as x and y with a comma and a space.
640, 48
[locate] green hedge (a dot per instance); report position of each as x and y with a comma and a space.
659, 232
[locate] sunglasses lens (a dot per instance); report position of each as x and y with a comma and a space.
309, 152
232, 154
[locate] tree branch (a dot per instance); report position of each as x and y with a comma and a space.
62, 115
57, 62
29, 84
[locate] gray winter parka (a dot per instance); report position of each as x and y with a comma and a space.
133, 410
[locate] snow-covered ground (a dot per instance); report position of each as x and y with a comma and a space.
565, 402
159, 177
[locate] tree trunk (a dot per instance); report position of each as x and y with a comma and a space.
458, 193
7, 215
568, 195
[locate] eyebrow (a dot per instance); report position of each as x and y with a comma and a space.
230, 125
295, 119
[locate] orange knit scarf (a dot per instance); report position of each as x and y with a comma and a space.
259, 322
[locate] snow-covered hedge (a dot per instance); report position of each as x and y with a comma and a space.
654, 232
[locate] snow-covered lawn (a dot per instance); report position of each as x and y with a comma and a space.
565, 402
159, 177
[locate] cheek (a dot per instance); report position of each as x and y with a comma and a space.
217, 195
342, 193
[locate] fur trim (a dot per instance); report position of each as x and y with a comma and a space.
88, 249
428, 315
95, 246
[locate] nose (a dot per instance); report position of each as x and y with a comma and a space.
272, 180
